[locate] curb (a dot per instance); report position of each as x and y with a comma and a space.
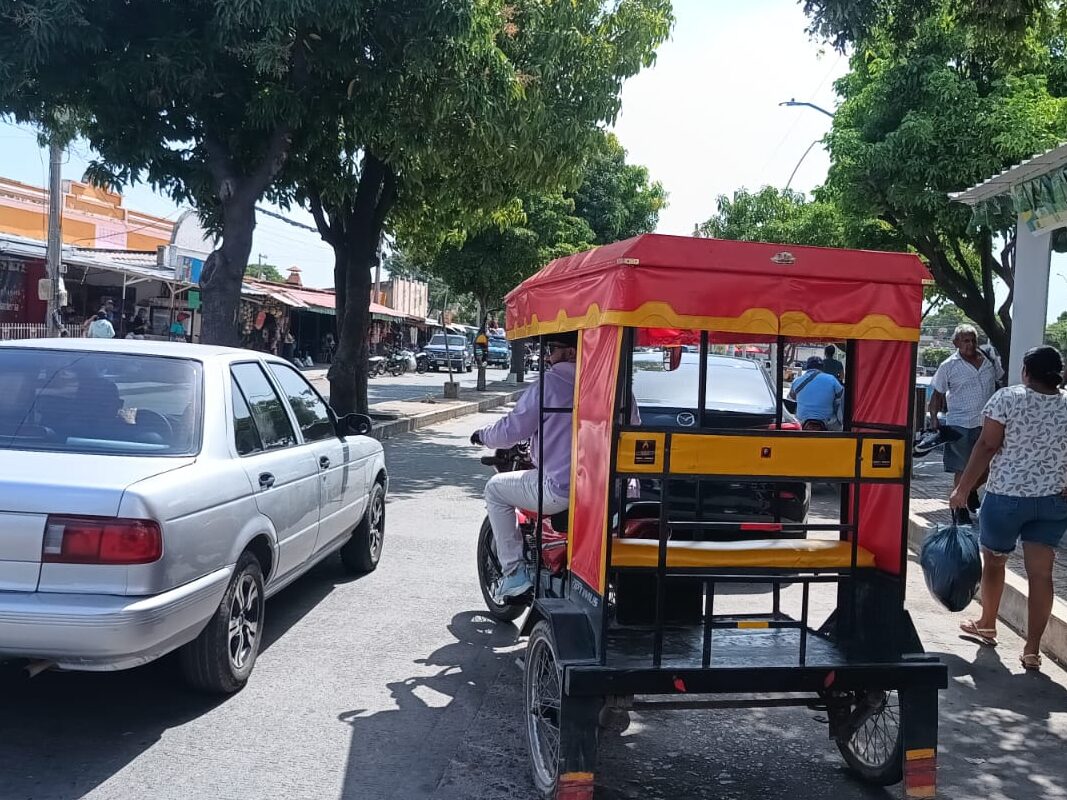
408, 424
1013, 603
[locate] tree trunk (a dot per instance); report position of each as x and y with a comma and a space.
354, 229
348, 372
238, 191
223, 273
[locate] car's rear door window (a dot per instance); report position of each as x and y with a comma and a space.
245, 432
271, 420
310, 412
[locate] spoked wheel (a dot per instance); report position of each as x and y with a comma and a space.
543, 687
490, 576
875, 749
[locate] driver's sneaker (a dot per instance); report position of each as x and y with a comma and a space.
514, 585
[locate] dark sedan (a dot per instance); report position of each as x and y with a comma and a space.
740, 395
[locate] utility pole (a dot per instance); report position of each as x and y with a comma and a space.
55, 231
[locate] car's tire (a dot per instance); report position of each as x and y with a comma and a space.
221, 658
489, 576
361, 553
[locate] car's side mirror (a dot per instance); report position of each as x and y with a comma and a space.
355, 424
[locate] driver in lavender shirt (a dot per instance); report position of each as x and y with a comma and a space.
507, 491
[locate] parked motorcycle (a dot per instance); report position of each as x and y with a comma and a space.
401, 361
422, 362
375, 366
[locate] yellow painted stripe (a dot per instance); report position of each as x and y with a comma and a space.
919, 755
576, 776
921, 791
753, 623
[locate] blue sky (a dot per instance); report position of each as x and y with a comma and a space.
705, 120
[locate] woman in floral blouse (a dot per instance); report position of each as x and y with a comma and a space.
1024, 446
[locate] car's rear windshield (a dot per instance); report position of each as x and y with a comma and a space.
734, 384
454, 342
110, 403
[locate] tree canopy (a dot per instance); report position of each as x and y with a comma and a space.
773, 215
406, 114
618, 200
494, 259
614, 200
940, 95
266, 272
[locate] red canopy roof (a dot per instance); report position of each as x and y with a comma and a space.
730, 286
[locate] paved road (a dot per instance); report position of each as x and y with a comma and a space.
394, 687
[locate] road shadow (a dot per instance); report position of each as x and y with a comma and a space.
65, 733
425, 460
1006, 715
402, 753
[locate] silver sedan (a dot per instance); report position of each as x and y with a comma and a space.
154, 494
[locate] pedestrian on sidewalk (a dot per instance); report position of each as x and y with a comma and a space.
965, 381
1023, 446
98, 327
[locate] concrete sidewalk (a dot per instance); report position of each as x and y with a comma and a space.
930, 489
423, 409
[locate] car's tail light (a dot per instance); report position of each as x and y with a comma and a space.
782, 495
787, 426
766, 527
101, 540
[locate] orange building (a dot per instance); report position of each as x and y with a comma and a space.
92, 217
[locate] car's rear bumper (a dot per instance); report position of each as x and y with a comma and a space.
106, 632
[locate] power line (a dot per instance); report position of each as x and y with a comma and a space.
286, 220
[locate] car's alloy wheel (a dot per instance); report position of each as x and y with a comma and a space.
221, 658
246, 610
362, 551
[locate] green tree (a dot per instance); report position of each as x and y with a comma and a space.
1056, 333
200, 99
494, 259
266, 272
617, 200
932, 113
845, 22
773, 215
452, 113
933, 356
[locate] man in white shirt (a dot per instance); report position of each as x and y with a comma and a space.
965, 381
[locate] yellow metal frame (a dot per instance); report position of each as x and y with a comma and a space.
785, 456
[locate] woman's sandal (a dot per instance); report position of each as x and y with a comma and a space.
987, 636
1031, 662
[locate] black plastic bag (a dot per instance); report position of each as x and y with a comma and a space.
952, 565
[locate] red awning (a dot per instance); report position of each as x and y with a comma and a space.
751, 288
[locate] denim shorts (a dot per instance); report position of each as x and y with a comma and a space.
958, 453
1005, 520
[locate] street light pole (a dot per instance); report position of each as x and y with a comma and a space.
795, 102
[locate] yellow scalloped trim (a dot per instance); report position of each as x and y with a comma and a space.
757, 321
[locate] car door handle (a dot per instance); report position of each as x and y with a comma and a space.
324, 462
266, 480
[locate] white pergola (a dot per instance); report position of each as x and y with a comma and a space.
1033, 253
